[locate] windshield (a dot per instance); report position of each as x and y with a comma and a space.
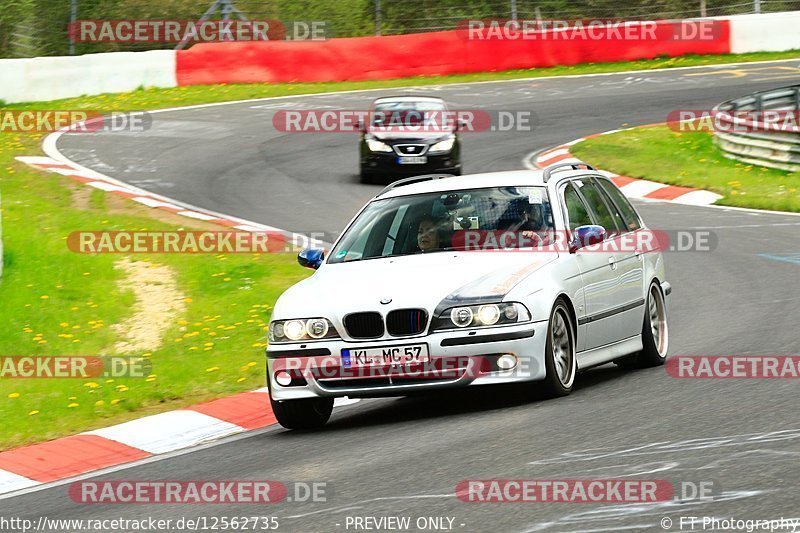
452, 220
404, 112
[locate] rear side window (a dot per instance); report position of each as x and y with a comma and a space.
577, 214
598, 204
628, 212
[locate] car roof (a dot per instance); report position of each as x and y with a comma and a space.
407, 98
509, 178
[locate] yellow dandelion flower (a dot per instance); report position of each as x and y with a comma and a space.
212, 369
73, 404
99, 403
14, 395
32, 413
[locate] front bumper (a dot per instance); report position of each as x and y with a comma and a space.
469, 357
386, 163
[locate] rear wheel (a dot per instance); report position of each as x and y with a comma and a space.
655, 332
560, 361
308, 413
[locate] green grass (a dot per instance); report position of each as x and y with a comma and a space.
691, 159
55, 302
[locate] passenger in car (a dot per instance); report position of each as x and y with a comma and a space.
432, 234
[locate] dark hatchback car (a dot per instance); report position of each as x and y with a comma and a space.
409, 136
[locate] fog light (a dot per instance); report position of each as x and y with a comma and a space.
283, 378
506, 361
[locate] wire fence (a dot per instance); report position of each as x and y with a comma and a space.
30, 28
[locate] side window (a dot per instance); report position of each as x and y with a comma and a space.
577, 214
628, 212
619, 220
597, 204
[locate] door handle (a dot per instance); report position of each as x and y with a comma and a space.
612, 263
638, 254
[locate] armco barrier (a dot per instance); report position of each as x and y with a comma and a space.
424, 54
770, 32
769, 144
51, 78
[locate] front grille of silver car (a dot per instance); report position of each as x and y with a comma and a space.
404, 322
367, 325
410, 149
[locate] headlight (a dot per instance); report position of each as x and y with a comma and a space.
307, 329
444, 146
476, 316
377, 146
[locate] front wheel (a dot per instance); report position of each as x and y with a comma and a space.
308, 413
560, 362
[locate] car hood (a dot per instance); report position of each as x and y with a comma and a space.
421, 280
407, 136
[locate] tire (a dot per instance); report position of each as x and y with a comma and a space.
560, 362
368, 177
308, 413
655, 333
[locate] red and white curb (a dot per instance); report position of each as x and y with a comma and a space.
33, 465
631, 187
46, 462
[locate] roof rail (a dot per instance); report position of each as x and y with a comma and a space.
412, 180
548, 171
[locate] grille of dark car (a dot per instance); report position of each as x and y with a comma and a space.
403, 322
411, 149
364, 325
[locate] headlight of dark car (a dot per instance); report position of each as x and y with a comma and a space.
300, 330
444, 145
482, 315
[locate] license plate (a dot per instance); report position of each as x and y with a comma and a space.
412, 159
389, 356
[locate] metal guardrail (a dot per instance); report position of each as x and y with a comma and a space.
761, 128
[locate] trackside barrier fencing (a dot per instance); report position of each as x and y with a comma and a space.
424, 54
373, 58
761, 128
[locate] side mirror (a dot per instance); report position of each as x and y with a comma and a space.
311, 257
586, 236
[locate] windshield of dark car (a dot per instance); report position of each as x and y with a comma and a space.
385, 114
465, 220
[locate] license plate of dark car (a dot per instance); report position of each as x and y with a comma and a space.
412, 159
385, 356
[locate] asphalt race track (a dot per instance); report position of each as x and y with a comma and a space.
404, 457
